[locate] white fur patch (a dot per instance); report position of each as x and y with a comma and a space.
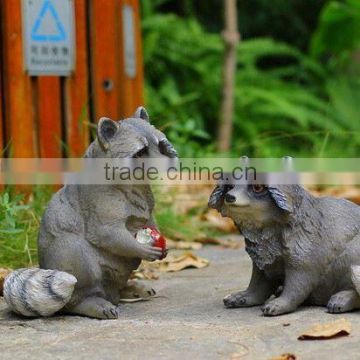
355, 277
38, 292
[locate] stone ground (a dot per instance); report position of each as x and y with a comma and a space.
188, 322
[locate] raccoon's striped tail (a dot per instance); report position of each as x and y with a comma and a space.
38, 292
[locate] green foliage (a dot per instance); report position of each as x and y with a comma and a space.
287, 21
177, 63
9, 215
19, 226
174, 225
338, 32
290, 108
286, 101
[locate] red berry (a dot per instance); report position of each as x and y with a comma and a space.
159, 240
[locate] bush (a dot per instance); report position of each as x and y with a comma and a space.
19, 226
286, 101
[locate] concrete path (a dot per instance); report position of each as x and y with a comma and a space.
189, 322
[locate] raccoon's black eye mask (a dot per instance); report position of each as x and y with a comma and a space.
144, 151
282, 201
165, 148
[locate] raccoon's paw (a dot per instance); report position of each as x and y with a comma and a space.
102, 311
343, 301
151, 253
241, 299
95, 307
136, 290
110, 312
277, 306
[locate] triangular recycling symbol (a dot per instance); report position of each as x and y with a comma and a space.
49, 14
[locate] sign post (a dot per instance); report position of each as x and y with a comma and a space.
49, 37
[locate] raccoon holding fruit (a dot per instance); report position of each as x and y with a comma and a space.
87, 246
308, 246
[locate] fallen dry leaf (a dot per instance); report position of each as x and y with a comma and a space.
185, 203
237, 356
145, 272
284, 357
185, 198
3, 274
230, 241
183, 245
178, 263
341, 327
214, 218
241, 350
179, 236
351, 193
172, 263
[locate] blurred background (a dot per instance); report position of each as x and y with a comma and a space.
290, 86
297, 81
263, 79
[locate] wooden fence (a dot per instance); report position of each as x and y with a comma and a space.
51, 116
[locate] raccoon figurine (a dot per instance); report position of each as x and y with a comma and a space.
87, 246
309, 247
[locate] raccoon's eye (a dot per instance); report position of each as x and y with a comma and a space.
257, 189
141, 152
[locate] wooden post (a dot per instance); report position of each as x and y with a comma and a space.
131, 88
76, 89
231, 37
41, 113
1, 92
18, 89
105, 58
1, 119
115, 94
1, 103
49, 116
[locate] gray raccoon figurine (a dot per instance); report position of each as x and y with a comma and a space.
308, 246
87, 246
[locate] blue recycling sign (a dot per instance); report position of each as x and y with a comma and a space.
39, 34
49, 36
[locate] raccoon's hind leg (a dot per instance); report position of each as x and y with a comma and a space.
347, 300
95, 307
76, 256
344, 301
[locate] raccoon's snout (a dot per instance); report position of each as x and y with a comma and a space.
230, 198
238, 200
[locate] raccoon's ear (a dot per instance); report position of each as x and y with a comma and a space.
106, 130
281, 198
141, 113
216, 199
166, 148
